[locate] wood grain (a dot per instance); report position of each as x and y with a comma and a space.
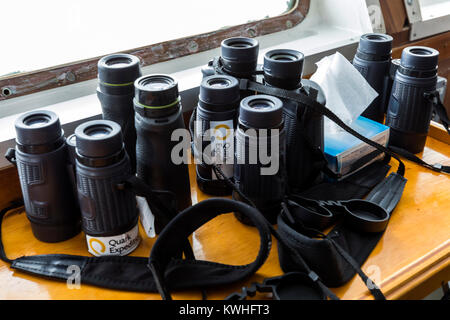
413, 252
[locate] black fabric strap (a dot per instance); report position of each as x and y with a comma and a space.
14, 205
190, 274
412, 157
373, 288
439, 108
281, 240
134, 274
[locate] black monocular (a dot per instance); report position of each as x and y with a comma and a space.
260, 126
158, 113
116, 76
109, 212
42, 162
214, 127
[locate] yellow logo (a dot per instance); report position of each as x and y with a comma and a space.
102, 246
227, 131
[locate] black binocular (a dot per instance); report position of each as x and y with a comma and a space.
158, 115
116, 76
109, 212
46, 176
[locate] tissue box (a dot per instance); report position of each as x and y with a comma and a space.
346, 154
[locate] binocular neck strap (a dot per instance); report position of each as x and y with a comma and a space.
165, 269
246, 84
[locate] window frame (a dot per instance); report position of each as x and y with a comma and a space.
21, 84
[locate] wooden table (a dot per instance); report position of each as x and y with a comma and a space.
411, 259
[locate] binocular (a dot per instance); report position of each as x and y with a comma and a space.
46, 176
403, 87
282, 69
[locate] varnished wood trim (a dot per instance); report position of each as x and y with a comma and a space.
400, 282
30, 82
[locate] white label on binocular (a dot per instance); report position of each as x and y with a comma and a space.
222, 146
119, 245
146, 217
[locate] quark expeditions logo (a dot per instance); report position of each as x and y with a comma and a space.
119, 245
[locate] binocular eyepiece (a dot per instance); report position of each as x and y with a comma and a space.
158, 114
38, 132
375, 47
155, 95
239, 56
283, 68
261, 112
117, 72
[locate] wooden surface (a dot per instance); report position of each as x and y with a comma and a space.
411, 259
394, 14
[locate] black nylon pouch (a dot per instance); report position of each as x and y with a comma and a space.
321, 254
134, 274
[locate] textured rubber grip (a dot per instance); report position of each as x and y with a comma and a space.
106, 209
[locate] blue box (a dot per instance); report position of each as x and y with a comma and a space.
346, 154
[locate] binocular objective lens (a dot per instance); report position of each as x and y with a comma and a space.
36, 120
219, 83
377, 37
98, 131
421, 51
156, 83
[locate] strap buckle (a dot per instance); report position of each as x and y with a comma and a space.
243, 84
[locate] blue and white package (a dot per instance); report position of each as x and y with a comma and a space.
346, 154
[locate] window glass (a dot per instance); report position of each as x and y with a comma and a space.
45, 33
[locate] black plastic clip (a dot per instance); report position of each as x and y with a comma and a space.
10, 155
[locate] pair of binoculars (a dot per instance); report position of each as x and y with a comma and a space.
402, 87
74, 182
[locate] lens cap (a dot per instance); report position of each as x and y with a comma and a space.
219, 90
261, 111
156, 90
38, 127
283, 68
378, 44
239, 55
98, 138
118, 69
419, 58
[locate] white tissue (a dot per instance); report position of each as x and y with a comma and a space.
346, 91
